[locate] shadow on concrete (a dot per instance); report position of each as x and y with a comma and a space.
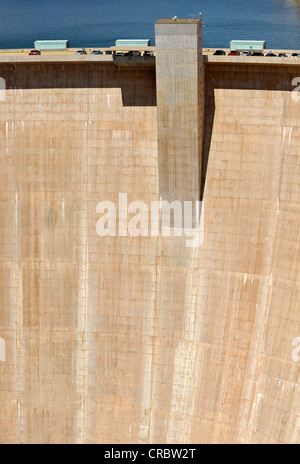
209, 116
238, 77
137, 86
255, 77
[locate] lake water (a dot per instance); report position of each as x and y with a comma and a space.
93, 23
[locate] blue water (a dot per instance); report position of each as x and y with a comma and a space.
93, 23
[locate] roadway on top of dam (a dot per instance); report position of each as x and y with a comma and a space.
69, 56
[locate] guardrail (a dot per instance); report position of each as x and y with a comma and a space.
114, 49
74, 50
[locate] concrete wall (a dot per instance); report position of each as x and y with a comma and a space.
250, 295
180, 98
142, 340
71, 137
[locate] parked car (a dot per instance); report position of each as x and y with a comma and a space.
134, 53
108, 52
257, 54
119, 53
234, 53
35, 52
148, 53
246, 53
271, 54
295, 55
81, 52
282, 55
96, 52
219, 53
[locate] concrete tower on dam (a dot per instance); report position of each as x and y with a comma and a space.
180, 106
139, 338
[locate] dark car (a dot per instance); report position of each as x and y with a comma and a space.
257, 54
35, 52
219, 53
134, 53
295, 55
108, 52
271, 54
96, 52
234, 53
282, 55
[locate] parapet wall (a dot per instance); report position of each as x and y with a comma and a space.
141, 339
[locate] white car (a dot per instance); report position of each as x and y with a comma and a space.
81, 52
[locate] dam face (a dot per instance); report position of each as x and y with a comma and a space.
124, 339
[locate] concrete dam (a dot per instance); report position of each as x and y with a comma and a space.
141, 339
